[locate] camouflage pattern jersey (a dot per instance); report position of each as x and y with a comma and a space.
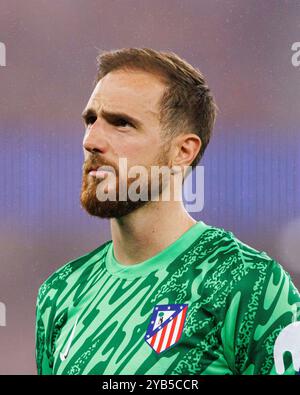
207, 304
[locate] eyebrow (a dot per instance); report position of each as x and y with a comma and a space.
112, 117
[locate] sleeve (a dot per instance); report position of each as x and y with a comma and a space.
41, 355
261, 330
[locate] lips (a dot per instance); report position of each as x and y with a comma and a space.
91, 169
106, 168
99, 167
99, 171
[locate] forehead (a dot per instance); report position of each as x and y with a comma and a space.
134, 92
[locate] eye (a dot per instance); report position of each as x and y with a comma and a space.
90, 120
122, 122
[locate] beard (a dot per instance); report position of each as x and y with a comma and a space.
116, 208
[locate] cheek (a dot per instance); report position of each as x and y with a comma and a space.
137, 152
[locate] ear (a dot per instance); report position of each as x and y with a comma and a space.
187, 147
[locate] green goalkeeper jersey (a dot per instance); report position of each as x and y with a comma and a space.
206, 304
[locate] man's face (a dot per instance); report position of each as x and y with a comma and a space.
121, 120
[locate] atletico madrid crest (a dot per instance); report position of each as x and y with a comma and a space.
166, 326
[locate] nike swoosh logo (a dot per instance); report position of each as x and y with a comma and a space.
64, 355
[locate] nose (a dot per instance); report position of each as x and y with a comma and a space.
93, 140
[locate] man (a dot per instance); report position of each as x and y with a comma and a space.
168, 294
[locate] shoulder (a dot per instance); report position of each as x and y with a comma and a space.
231, 264
224, 245
66, 275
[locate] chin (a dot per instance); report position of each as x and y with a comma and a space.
108, 209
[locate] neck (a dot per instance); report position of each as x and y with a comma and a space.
148, 230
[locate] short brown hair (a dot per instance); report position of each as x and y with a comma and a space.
187, 103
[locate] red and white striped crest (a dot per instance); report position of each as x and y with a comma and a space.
166, 326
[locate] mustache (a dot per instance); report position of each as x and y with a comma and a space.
94, 162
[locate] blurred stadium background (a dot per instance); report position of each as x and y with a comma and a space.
252, 165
